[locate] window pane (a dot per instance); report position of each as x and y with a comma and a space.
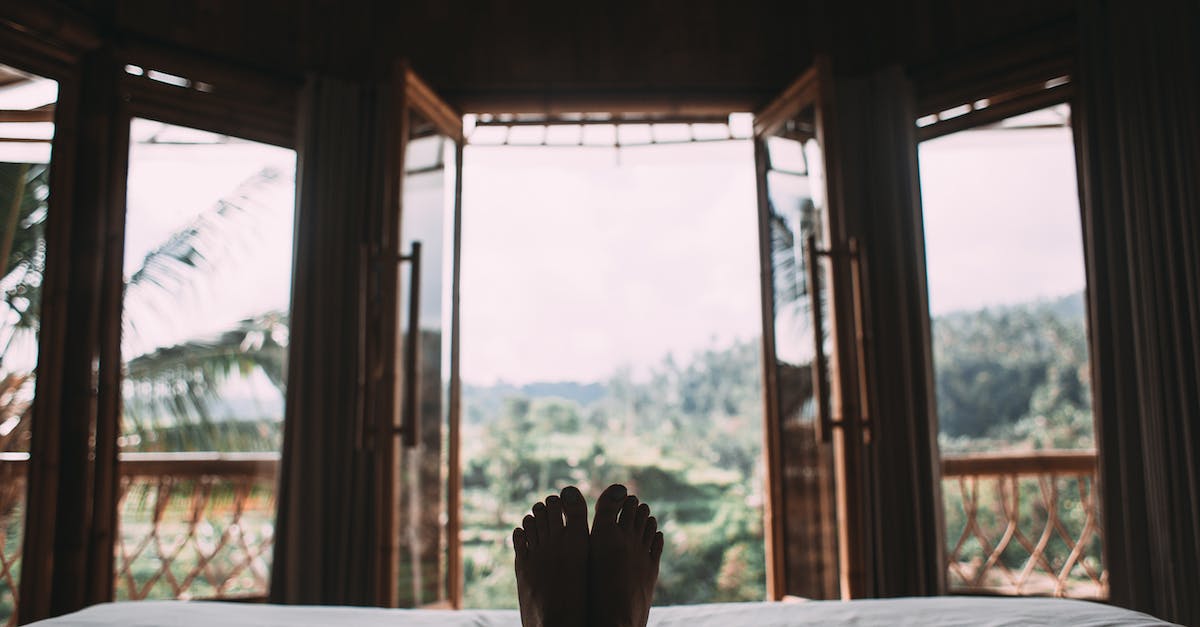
611, 333
1006, 290
427, 217
24, 190
797, 211
208, 257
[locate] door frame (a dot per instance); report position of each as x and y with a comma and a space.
814, 88
391, 388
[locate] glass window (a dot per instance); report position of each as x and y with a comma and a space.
427, 214
1006, 291
208, 273
797, 220
27, 104
611, 333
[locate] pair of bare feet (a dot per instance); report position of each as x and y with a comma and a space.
568, 577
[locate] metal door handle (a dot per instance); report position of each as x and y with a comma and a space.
857, 258
410, 423
858, 270
825, 422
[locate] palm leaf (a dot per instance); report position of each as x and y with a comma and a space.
177, 388
175, 274
23, 193
173, 391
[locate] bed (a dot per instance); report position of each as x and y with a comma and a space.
931, 612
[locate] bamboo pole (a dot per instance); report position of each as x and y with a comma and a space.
14, 213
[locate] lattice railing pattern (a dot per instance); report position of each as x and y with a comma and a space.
1023, 523
195, 526
12, 515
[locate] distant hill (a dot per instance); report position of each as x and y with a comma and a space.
482, 401
1069, 307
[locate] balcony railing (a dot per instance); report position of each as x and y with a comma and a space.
1023, 523
201, 525
192, 525
195, 525
12, 510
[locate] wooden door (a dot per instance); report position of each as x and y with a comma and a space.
424, 467
808, 348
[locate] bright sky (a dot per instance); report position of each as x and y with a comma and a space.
577, 261
1001, 218
169, 186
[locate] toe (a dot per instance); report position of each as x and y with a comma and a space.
650, 531
520, 544
639, 519
531, 535
575, 508
542, 520
628, 512
554, 515
656, 546
607, 507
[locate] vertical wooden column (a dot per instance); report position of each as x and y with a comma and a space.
68, 542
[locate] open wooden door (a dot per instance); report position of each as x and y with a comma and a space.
813, 419
421, 525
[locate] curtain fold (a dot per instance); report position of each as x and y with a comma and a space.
327, 516
876, 135
1138, 148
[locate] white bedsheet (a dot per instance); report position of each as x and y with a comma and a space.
930, 612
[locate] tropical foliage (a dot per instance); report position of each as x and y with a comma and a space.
687, 439
1014, 377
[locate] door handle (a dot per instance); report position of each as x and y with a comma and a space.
858, 278
410, 422
825, 422
853, 252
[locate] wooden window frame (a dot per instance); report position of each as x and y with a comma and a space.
74, 465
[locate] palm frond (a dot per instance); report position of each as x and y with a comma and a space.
174, 276
176, 389
173, 394
23, 193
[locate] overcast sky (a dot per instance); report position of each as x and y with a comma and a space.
577, 261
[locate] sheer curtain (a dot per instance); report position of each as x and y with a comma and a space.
1139, 161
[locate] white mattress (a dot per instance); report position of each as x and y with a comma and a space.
926, 612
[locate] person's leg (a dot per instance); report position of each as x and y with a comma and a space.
551, 562
623, 559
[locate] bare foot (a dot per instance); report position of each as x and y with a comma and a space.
551, 562
622, 561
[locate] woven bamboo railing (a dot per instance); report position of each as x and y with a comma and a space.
201, 525
1024, 524
192, 525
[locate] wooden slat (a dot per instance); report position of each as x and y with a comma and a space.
199, 464
420, 96
802, 92
211, 112
1031, 463
27, 115
1013, 105
172, 464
